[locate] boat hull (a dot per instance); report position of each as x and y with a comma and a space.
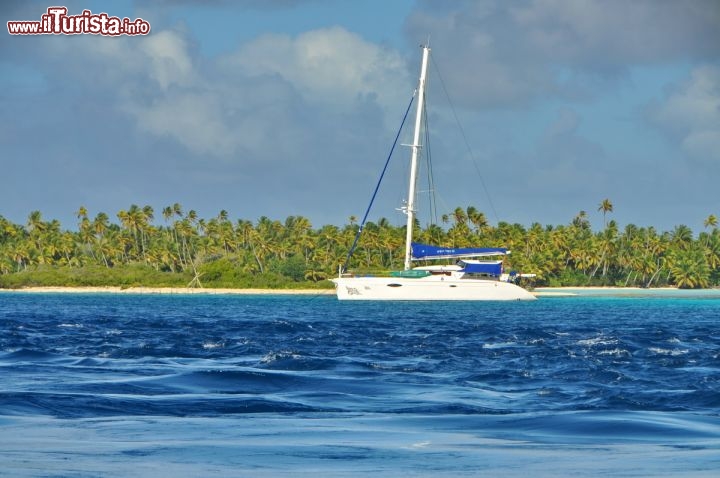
427, 288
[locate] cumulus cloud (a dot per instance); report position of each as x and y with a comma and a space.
614, 33
510, 54
230, 123
690, 114
194, 120
170, 62
330, 66
259, 95
253, 102
278, 115
490, 63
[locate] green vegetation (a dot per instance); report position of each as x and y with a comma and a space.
186, 250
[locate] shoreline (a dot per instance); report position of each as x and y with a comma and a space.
573, 291
566, 291
166, 290
598, 291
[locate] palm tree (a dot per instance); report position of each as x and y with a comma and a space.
711, 221
167, 213
20, 254
177, 209
581, 221
681, 236
607, 242
249, 240
82, 215
459, 216
477, 219
689, 269
101, 223
712, 249
135, 221
35, 222
568, 254
606, 207
36, 228
227, 236
185, 231
86, 235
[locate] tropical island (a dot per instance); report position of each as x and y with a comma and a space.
182, 250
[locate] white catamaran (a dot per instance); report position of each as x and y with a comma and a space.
468, 279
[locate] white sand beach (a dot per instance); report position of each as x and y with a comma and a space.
539, 292
169, 290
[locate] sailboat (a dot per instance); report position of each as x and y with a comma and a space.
477, 273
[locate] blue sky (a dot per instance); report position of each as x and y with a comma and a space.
289, 107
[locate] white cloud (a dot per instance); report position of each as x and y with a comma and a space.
195, 120
612, 33
691, 114
703, 145
331, 66
170, 62
254, 102
509, 54
285, 121
483, 61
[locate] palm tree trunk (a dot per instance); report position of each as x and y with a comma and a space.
652, 278
257, 259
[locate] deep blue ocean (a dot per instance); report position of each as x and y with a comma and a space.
231, 385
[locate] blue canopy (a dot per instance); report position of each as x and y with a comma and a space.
493, 268
424, 251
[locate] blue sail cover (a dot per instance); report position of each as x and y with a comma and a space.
493, 268
424, 251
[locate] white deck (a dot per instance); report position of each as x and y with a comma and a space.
434, 287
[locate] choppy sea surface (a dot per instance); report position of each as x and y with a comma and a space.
220, 385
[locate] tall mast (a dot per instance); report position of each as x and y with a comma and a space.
414, 158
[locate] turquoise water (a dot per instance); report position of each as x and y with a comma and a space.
664, 293
137, 385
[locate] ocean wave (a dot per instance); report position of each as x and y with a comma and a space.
595, 341
23, 354
616, 352
587, 427
213, 345
259, 386
73, 406
669, 352
366, 358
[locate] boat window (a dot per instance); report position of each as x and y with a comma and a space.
394, 285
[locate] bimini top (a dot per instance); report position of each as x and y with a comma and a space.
425, 252
493, 268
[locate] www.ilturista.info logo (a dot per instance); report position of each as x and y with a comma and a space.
57, 22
